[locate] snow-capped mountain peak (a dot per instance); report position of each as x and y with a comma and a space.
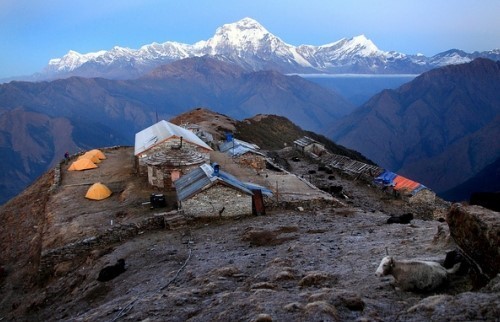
247, 43
244, 35
72, 60
358, 45
362, 42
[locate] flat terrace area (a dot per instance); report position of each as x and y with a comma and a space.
285, 186
72, 217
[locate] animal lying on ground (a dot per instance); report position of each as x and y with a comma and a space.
412, 275
112, 271
401, 219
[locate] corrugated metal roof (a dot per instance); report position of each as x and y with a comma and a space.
225, 146
305, 141
191, 183
162, 131
238, 150
203, 177
254, 186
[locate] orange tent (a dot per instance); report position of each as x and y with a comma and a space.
98, 191
90, 156
98, 153
402, 183
82, 164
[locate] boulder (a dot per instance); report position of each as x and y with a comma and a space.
461, 307
476, 231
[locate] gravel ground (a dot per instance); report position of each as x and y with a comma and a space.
312, 265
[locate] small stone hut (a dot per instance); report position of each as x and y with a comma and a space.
244, 153
165, 151
209, 192
308, 145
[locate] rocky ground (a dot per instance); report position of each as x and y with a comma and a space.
312, 264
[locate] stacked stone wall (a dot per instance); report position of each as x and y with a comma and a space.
167, 146
218, 201
69, 252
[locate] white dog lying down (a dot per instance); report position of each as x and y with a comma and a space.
412, 275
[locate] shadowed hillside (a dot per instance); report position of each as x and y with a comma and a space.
79, 113
441, 128
487, 179
311, 257
32, 142
272, 132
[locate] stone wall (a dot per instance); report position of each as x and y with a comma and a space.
166, 146
218, 201
51, 257
161, 176
254, 161
423, 196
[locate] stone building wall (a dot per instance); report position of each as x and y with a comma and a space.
423, 196
218, 198
166, 146
316, 148
160, 176
251, 160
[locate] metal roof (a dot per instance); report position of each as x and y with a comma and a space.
162, 131
399, 182
202, 178
238, 150
254, 186
305, 141
237, 147
237, 143
191, 183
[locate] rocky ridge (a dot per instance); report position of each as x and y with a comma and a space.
306, 261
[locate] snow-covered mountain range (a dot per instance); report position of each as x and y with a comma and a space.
250, 45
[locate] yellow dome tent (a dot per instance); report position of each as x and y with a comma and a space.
82, 164
98, 153
98, 191
89, 156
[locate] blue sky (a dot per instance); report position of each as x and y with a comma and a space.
34, 31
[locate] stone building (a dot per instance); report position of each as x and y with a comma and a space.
244, 153
165, 151
310, 146
209, 192
165, 167
200, 132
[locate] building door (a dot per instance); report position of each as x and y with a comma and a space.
258, 207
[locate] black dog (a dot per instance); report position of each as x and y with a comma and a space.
401, 219
454, 257
112, 271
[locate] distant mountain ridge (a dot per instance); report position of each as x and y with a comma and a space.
53, 117
487, 180
249, 45
31, 142
441, 129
